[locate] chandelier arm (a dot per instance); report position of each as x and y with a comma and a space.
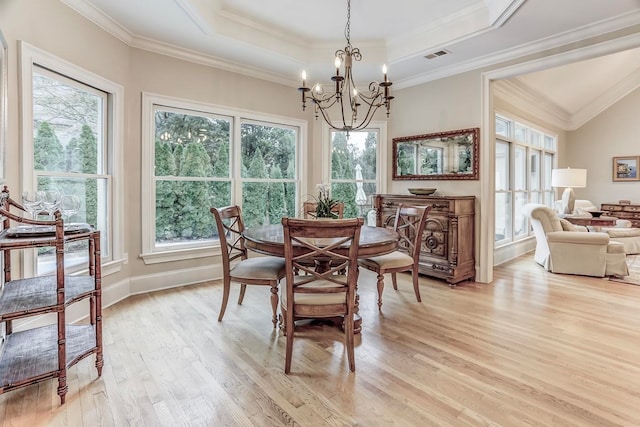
346, 95
371, 100
327, 119
368, 116
326, 103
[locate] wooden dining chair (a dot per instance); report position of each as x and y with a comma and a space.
321, 292
309, 210
409, 223
236, 264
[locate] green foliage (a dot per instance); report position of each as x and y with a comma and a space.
88, 150
255, 194
344, 158
48, 153
277, 197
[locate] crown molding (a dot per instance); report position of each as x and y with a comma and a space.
102, 20
548, 43
521, 96
606, 100
109, 25
208, 60
191, 12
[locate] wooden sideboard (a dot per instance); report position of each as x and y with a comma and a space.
448, 246
628, 212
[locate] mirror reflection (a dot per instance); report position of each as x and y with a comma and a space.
443, 155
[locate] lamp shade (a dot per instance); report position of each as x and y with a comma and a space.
573, 178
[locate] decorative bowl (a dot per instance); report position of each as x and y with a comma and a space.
422, 191
596, 214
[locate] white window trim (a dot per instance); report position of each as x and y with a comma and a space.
512, 141
30, 55
381, 162
150, 253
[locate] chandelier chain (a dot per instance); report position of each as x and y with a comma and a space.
347, 30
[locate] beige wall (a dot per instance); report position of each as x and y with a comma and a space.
55, 28
613, 133
446, 104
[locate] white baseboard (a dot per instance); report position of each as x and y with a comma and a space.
172, 279
119, 291
513, 250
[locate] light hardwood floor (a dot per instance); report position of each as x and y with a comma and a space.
533, 348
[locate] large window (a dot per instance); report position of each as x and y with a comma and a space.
205, 156
525, 156
69, 154
355, 169
71, 125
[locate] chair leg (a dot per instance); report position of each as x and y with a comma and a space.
394, 280
243, 288
416, 288
274, 305
348, 335
225, 298
380, 288
289, 350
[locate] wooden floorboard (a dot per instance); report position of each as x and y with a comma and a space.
530, 349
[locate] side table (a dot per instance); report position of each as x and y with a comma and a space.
601, 221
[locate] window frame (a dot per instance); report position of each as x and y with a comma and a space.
152, 253
32, 57
514, 124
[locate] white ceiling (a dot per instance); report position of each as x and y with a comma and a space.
276, 39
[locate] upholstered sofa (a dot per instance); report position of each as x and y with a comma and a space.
562, 247
622, 232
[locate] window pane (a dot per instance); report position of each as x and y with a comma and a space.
503, 217
549, 143
268, 151
68, 125
360, 149
269, 154
355, 196
535, 138
520, 168
534, 174
502, 166
191, 145
266, 203
520, 225
520, 133
354, 170
182, 209
502, 126
548, 166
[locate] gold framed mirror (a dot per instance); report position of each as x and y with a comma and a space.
437, 156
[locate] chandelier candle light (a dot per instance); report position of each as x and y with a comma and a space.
346, 95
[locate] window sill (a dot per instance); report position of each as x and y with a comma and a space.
179, 254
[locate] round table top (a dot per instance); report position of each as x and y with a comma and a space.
269, 240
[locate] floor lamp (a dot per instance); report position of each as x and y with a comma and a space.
570, 179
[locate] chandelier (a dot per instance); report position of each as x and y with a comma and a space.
346, 96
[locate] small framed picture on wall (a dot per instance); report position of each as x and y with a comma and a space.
626, 168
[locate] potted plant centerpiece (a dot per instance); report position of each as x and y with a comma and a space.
325, 203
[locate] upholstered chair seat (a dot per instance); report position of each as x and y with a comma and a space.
409, 223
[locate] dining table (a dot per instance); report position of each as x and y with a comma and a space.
374, 241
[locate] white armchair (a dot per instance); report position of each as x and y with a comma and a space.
562, 247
